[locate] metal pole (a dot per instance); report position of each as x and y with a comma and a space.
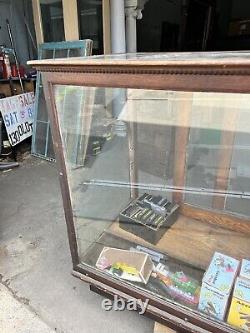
15, 56
117, 26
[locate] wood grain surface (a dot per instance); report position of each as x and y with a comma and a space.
158, 328
195, 242
228, 221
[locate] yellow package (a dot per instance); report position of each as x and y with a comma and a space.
239, 314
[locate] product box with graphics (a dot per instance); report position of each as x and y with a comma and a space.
239, 313
217, 285
212, 302
245, 269
128, 265
221, 272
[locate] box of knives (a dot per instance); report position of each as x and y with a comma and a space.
149, 217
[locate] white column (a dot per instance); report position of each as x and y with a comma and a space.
131, 41
133, 12
118, 43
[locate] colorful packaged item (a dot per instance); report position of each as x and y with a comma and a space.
245, 269
217, 284
128, 265
212, 302
221, 272
178, 284
239, 313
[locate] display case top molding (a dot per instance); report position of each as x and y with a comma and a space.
175, 62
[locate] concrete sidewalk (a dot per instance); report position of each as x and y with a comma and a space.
16, 317
35, 262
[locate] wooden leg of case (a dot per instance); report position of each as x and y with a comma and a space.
162, 329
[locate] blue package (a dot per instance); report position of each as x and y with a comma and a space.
221, 272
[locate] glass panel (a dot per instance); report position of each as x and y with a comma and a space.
239, 172
169, 58
50, 148
159, 188
77, 52
52, 20
90, 18
41, 130
41, 112
47, 54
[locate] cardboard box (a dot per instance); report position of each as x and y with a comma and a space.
239, 313
245, 269
222, 272
212, 302
217, 285
128, 265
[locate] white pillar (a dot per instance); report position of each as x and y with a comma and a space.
133, 12
118, 45
118, 42
131, 40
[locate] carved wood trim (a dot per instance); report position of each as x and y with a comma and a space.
144, 70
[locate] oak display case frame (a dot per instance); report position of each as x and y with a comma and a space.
227, 72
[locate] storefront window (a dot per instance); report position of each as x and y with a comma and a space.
52, 20
90, 20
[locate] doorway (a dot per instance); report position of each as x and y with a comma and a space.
194, 25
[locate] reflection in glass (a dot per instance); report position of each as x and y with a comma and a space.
90, 18
159, 171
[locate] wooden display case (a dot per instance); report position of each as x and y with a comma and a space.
175, 126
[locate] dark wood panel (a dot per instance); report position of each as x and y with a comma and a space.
179, 82
228, 221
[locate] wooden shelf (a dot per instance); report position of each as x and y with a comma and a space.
8, 86
195, 241
17, 79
